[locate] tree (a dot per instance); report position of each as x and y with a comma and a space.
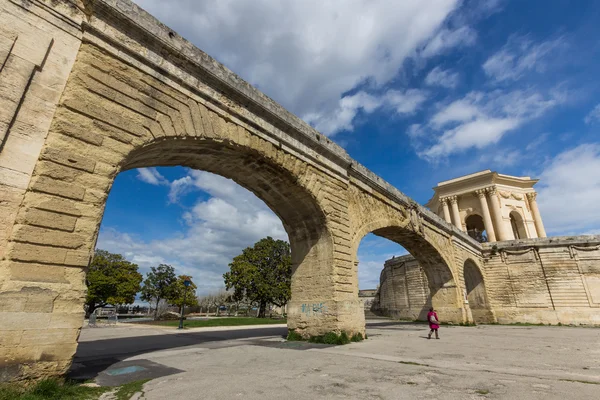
262, 274
179, 290
159, 285
218, 299
111, 279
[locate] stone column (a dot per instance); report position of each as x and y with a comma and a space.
537, 218
455, 213
487, 218
500, 230
444, 201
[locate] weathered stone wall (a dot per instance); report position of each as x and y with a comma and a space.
547, 281
404, 290
92, 88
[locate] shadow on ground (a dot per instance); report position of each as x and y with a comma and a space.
95, 358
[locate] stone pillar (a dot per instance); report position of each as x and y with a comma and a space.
444, 201
455, 213
497, 215
487, 219
537, 218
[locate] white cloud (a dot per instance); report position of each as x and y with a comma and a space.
307, 54
593, 116
415, 131
440, 77
401, 102
518, 56
405, 102
463, 110
482, 119
446, 39
151, 176
569, 191
478, 133
217, 229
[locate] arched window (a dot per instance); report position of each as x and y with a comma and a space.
476, 228
518, 226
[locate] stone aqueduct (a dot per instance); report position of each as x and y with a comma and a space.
89, 88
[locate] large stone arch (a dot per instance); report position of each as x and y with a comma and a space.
114, 117
404, 225
105, 87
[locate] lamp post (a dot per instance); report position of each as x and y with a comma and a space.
186, 283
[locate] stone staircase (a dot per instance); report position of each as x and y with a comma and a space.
566, 284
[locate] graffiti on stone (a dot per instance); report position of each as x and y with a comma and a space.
309, 309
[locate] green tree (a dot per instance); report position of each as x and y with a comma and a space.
111, 279
179, 290
262, 274
158, 285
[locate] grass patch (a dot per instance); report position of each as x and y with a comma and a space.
482, 391
129, 389
294, 336
413, 363
357, 337
579, 381
225, 321
411, 383
50, 389
58, 389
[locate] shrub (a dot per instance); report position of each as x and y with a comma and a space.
48, 388
328, 338
294, 336
331, 338
343, 338
357, 337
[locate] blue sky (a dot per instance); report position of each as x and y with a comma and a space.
419, 92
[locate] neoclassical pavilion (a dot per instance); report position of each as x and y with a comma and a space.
490, 206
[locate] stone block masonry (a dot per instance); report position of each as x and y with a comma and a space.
550, 281
93, 88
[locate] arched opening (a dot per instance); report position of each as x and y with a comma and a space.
476, 228
382, 282
217, 203
284, 192
298, 210
476, 293
518, 225
421, 278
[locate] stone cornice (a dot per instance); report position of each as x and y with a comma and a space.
522, 244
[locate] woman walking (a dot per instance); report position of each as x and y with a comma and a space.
434, 322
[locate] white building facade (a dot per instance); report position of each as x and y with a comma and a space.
490, 206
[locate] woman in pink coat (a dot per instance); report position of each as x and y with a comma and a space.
433, 320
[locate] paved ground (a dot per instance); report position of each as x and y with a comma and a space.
396, 362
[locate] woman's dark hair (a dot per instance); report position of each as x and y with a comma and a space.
431, 309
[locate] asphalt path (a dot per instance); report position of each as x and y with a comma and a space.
94, 356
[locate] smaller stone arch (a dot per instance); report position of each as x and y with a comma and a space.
476, 227
443, 290
476, 293
518, 225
